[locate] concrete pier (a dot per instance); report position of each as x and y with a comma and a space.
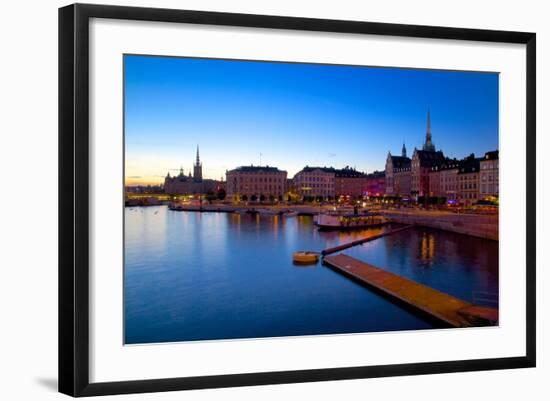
477, 225
444, 307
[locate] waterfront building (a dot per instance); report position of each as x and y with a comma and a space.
421, 165
488, 176
289, 186
256, 182
434, 181
422, 162
397, 164
144, 189
468, 180
449, 180
429, 173
376, 183
442, 179
348, 182
315, 181
182, 184
402, 181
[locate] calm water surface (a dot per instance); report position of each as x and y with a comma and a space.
203, 276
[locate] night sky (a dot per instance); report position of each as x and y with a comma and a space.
296, 114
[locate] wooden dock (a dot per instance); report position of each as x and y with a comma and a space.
446, 308
341, 247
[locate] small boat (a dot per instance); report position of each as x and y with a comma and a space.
305, 257
176, 206
246, 211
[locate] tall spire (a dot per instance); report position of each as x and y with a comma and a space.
403, 150
197, 168
428, 128
428, 145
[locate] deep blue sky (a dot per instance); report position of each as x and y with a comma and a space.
296, 114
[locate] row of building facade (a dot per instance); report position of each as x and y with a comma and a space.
325, 183
182, 184
256, 181
329, 182
428, 173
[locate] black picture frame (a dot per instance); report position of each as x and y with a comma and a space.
74, 198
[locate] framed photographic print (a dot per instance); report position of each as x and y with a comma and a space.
250, 199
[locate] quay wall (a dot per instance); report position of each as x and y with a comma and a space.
301, 209
483, 226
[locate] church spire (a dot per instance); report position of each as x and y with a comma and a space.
197, 168
428, 128
403, 151
428, 145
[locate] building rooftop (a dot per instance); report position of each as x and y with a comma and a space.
447, 164
377, 174
343, 172
469, 165
429, 158
257, 169
400, 162
309, 169
348, 172
492, 155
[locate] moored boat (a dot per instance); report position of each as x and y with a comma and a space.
176, 206
337, 221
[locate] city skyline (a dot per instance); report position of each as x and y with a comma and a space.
295, 115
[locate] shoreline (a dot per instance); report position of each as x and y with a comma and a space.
475, 225
480, 226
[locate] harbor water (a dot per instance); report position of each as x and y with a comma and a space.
209, 276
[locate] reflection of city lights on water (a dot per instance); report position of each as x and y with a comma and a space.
427, 247
275, 222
